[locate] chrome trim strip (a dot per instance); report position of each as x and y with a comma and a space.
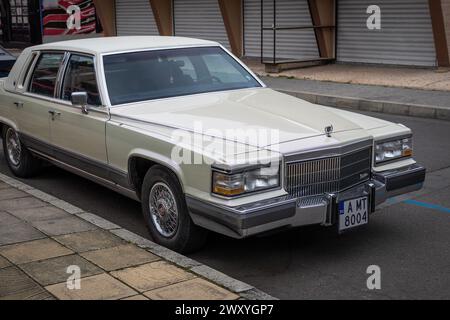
60, 76
96, 109
225, 168
104, 182
252, 207
329, 152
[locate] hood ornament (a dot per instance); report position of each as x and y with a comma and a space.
329, 130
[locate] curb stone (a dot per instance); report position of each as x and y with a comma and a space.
404, 109
245, 291
222, 279
97, 221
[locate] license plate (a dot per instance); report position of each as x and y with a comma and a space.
353, 213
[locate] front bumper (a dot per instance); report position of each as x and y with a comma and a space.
285, 211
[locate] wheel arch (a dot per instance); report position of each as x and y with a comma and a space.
7, 123
139, 162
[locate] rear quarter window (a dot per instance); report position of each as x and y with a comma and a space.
26, 71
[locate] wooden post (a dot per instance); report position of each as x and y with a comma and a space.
106, 12
232, 18
323, 14
439, 32
162, 11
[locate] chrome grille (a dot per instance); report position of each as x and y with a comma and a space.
327, 175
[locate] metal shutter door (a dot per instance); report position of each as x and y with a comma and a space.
135, 18
200, 19
291, 44
405, 38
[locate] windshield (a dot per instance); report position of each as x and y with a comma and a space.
146, 75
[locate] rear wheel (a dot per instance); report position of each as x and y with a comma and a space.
165, 212
19, 159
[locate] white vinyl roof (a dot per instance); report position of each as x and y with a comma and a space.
118, 44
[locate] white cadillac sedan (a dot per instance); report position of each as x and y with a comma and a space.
184, 127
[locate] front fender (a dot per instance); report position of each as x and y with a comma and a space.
9, 123
160, 159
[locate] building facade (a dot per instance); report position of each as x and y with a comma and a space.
390, 32
20, 22
27, 22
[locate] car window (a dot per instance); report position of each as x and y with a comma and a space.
222, 70
80, 76
147, 75
45, 73
184, 64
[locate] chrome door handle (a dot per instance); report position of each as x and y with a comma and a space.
18, 104
54, 113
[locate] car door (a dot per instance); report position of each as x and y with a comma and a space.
37, 98
79, 138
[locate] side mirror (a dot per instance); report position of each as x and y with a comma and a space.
80, 99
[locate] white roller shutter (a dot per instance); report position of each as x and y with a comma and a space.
290, 44
200, 19
135, 18
405, 38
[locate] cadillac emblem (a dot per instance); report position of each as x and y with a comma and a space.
329, 130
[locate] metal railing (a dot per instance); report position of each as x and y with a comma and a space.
274, 28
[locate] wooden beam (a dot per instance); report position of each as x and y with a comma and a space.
106, 12
445, 4
323, 14
439, 34
162, 11
232, 18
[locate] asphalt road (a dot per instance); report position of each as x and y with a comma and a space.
409, 241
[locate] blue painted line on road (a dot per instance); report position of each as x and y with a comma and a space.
427, 205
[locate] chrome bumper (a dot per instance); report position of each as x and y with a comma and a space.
285, 211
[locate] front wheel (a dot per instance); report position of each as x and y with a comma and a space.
19, 159
166, 214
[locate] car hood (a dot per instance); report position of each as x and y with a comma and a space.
247, 109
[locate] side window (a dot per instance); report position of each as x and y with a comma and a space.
80, 76
44, 75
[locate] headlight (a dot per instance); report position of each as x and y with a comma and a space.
395, 149
230, 185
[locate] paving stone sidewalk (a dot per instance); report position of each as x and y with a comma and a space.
41, 237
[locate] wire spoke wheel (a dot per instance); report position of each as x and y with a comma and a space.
163, 209
13, 148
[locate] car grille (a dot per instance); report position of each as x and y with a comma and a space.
328, 175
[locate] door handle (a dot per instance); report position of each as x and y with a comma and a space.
18, 104
54, 114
